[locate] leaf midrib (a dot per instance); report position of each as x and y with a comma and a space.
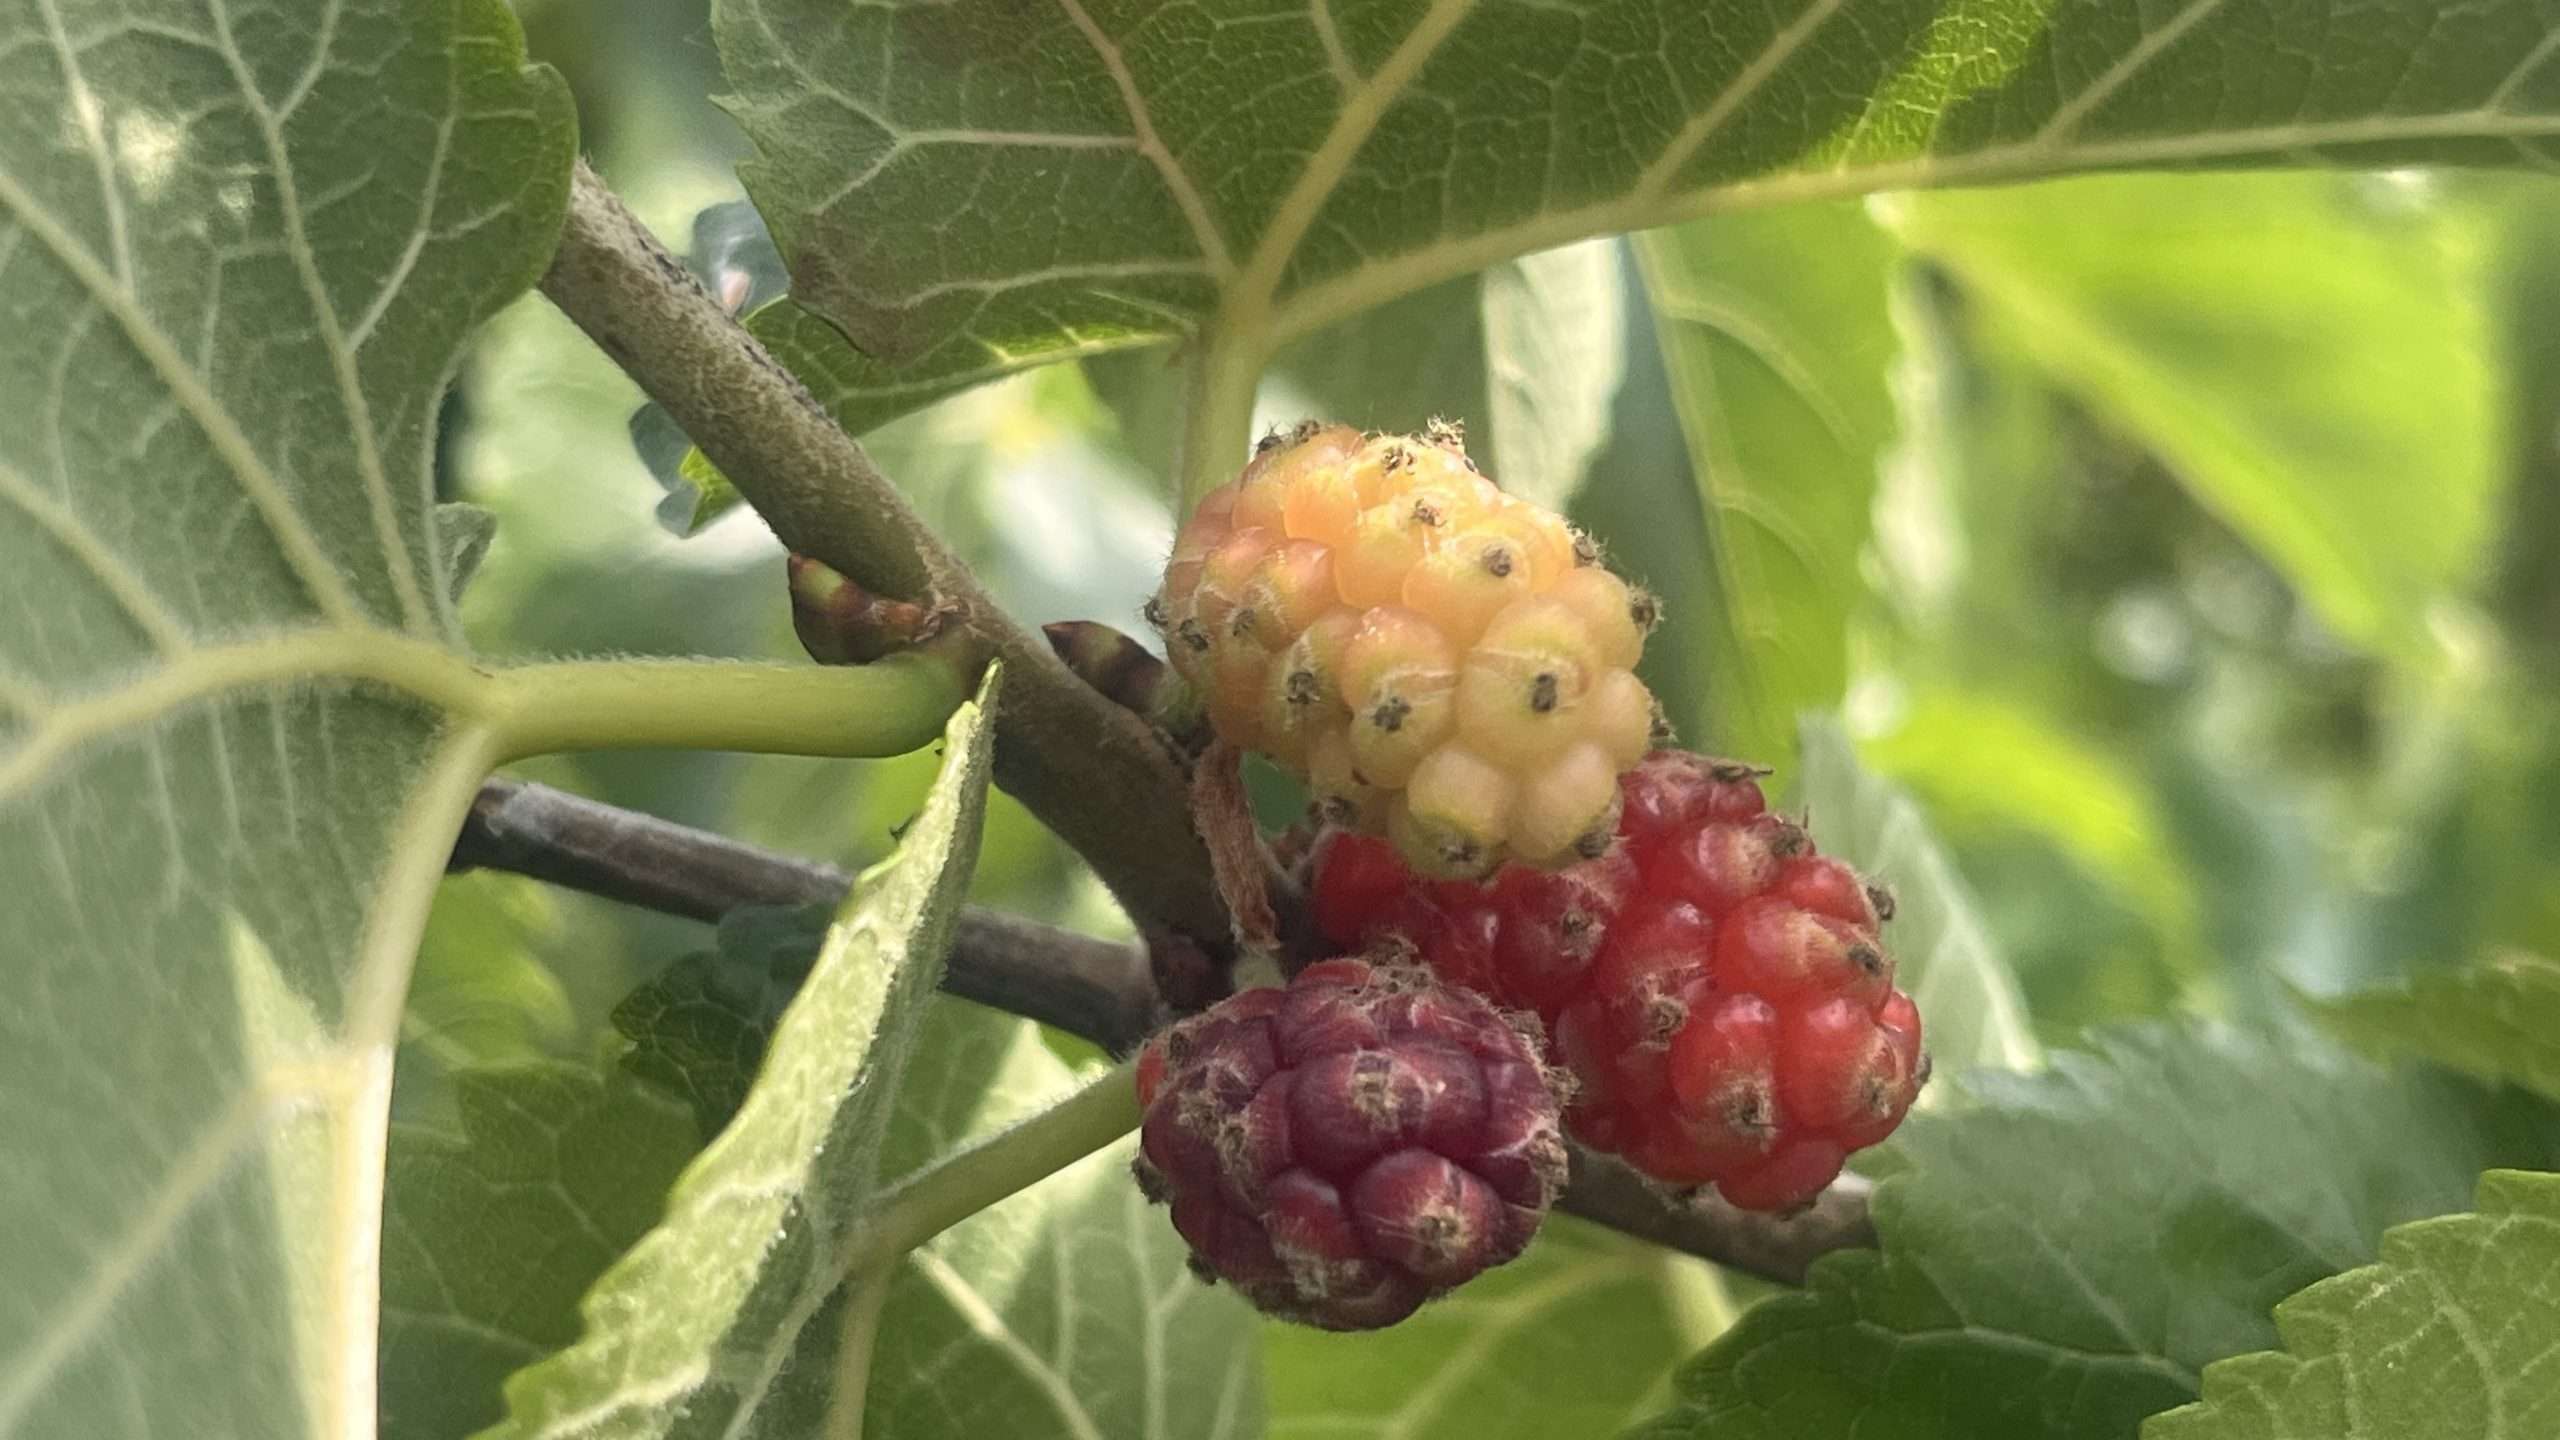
1370, 284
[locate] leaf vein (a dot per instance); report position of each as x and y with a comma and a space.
331, 332
1177, 181
302, 550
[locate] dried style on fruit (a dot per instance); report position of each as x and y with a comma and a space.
1718, 989
1346, 1148
1444, 664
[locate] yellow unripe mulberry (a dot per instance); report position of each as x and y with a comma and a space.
1452, 815
1441, 662
1568, 810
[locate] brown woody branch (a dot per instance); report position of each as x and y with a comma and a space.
1091, 771
1088, 987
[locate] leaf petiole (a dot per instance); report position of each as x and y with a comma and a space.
888, 707
967, 1181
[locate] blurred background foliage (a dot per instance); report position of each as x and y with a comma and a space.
2189, 546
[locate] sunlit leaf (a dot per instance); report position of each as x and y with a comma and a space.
2448, 1338
1994, 766
1555, 339
2312, 353
1945, 956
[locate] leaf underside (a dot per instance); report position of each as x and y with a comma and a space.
970, 187
239, 251
727, 1318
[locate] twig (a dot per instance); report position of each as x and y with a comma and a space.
1773, 1247
1085, 986
1090, 770
1081, 985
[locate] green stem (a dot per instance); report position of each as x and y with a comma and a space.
1218, 431
866, 1296
885, 708
960, 1185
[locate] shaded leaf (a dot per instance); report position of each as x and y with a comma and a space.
1779, 341
1944, 955
742, 1281
2064, 1253
1066, 1308
699, 1028
463, 533
480, 993
239, 252
492, 1231
2448, 1338
2498, 1020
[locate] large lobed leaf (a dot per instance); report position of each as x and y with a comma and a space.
729, 1316
239, 250
968, 187
2450, 1337
2063, 1255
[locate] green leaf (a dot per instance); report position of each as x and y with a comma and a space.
1570, 1339
2494, 1020
1943, 953
1650, 516
970, 188
2311, 352
463, 533
1989, 765
742, 1281
699, 1028
1778, 337
480, 993
493, 1231
1066, 1310
240, 249
972, 1340
2448, 1338
2064, 1253
1555, 339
